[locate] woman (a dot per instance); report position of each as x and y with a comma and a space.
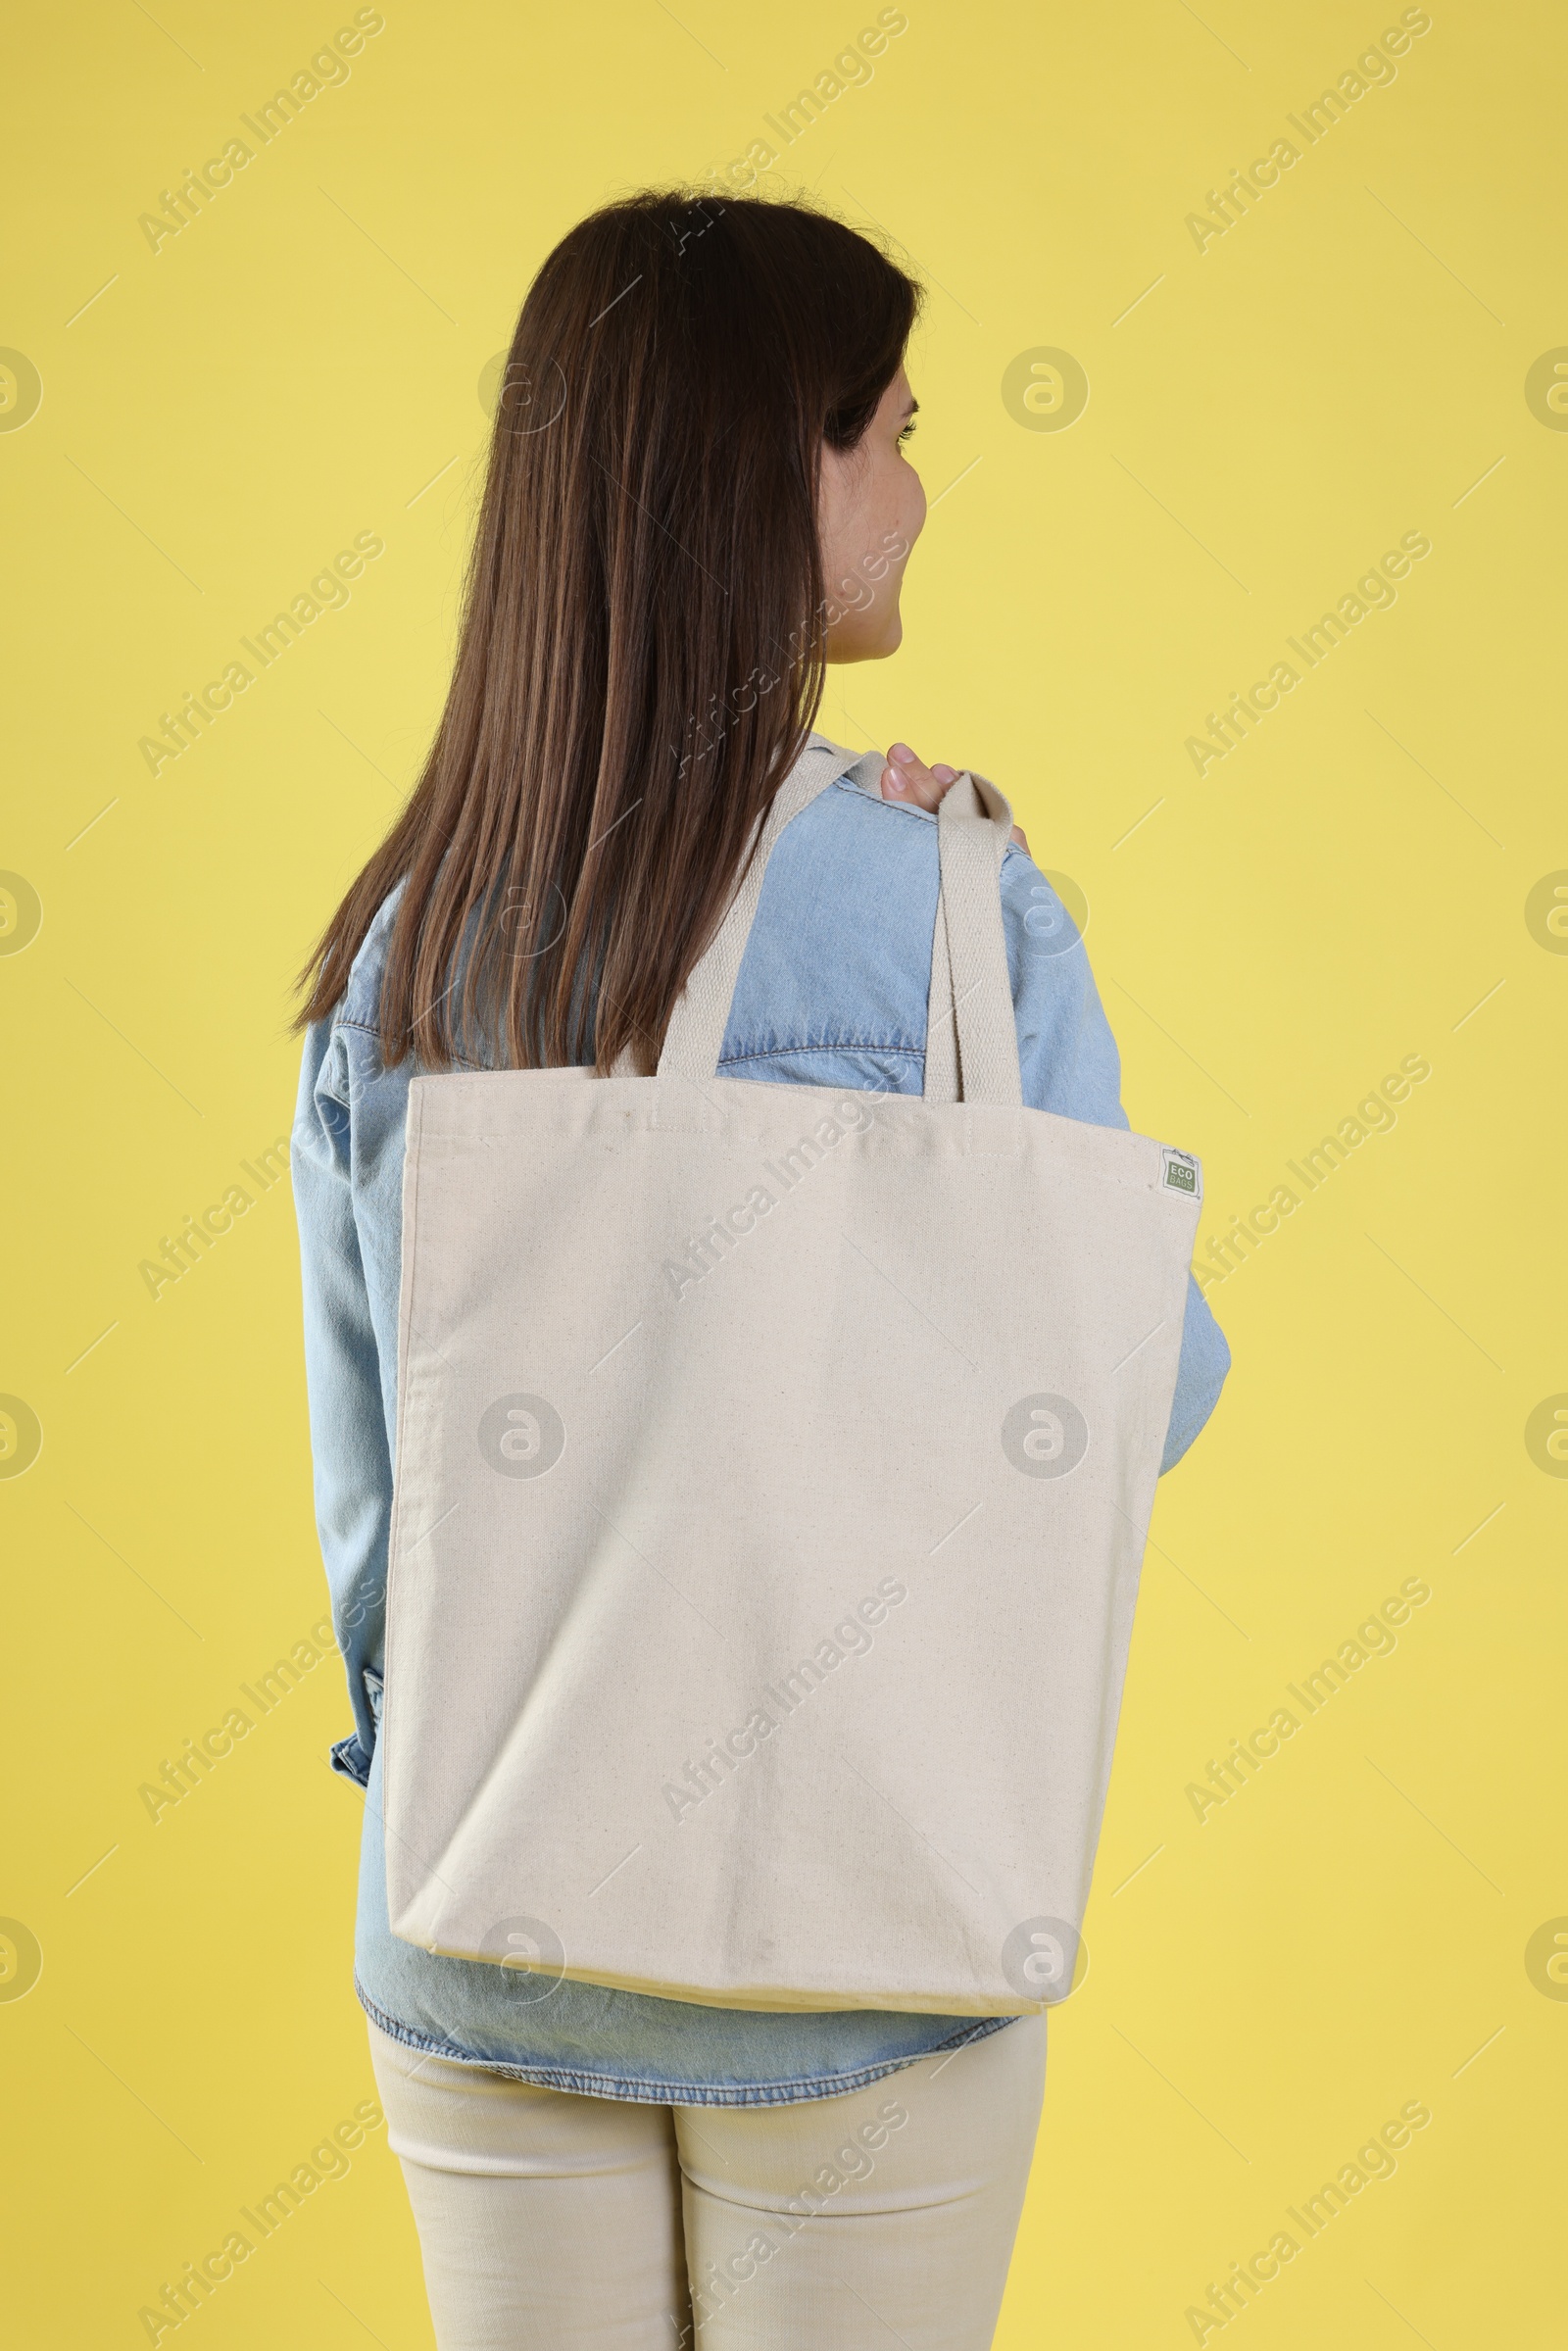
699, 493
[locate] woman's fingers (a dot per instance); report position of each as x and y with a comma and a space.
905, 778
919, 787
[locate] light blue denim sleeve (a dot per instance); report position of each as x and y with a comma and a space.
1070, 1065
353, 1469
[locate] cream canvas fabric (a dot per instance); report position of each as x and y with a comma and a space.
773, 1466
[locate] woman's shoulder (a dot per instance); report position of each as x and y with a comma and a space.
839, 960
854, 846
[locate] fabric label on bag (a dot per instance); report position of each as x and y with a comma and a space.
1181, 1173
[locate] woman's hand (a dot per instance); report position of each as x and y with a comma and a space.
905, 778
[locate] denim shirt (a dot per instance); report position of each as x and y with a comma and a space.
832, 992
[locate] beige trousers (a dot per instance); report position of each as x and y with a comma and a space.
552, 2221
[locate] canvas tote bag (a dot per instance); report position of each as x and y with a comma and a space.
773, 1464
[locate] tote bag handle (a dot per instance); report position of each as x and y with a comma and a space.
971, 1042
971, 1047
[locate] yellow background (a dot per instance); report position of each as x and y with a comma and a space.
1338, 369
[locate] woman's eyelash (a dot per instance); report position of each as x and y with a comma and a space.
907, 432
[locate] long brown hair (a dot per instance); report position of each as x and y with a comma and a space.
641, 653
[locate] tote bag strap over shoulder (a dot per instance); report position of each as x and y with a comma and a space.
971, 1042
971, 1051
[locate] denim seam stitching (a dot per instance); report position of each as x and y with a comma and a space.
902, 809
837, 1045
677, 2093
897, 807
370, 1028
